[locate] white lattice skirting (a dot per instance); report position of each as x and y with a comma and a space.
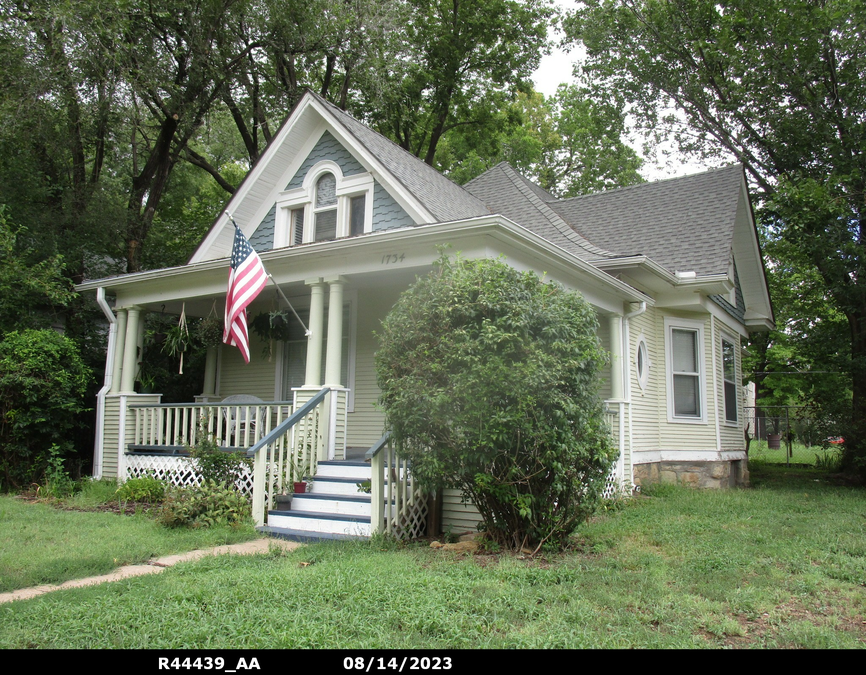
178, 471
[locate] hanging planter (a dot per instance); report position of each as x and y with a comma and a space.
272, 325
177, 339
209, 332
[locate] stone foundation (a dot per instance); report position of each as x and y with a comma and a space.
712, 475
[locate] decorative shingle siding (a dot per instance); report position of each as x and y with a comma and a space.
738, 312
388, 214
263, 238
328, 148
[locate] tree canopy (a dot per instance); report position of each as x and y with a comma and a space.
779, 85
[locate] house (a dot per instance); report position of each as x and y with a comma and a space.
344, 220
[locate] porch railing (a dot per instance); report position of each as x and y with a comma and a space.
168, 427
614, 416
399, 506
289, 449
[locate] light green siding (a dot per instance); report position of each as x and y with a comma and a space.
731, 435
111, 422
366, 423
647, 402
684, 435
256, 378
457, 516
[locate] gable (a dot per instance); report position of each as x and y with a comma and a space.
737, 309
386, 213
399, 189
327, 148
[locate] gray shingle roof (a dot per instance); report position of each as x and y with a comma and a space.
507, 192
683, 224
443, 198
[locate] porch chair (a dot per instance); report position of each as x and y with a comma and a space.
235, 428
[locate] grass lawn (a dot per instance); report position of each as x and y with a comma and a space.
780, 565
43, 545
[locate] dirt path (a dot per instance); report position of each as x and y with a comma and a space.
154, 566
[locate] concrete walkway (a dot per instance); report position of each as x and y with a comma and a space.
154, 566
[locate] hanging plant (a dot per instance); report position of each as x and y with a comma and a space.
272, 325
177, 339
209, 332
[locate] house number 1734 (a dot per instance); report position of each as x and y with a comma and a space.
393, 258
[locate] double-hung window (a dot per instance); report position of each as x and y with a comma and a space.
328, 206
685, 371
729, 377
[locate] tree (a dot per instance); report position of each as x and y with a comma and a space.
459, 62
32, 292
570, 144
779, 85
489, 382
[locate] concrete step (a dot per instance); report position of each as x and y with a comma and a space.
337, 469
353, 505
306, 536
327, 485
320, 523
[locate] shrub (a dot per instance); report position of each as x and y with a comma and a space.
42, 385
56, 482
144, 489
204, 506
216, 465
489, 381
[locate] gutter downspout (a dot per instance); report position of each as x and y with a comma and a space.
106, 385
626, 338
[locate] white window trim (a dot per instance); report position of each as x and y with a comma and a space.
698, 326
304, 196
642, 378
735, 343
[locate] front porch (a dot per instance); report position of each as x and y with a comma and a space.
288, 441
341, 291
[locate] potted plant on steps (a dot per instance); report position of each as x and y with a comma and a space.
300, 473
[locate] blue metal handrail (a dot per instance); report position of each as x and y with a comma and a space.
289, 422
377, 446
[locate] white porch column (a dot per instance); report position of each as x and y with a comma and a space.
616, 357
119, 343
333, 357
313, 378
130, 351
210, 368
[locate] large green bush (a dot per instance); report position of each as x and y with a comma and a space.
489, 382
42, 385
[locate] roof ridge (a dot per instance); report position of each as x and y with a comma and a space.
554, 218
338, 111
647, 184
484, 173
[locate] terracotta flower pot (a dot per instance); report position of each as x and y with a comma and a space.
300, 487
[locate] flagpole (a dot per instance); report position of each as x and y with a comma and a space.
307, 332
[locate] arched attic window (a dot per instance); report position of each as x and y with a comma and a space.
325, 208
328, 206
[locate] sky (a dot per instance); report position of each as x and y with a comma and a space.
557, 67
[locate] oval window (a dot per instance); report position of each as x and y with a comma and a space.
642, 362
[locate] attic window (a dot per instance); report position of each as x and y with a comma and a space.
325, 211
328, 206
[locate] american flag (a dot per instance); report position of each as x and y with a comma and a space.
247, 278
